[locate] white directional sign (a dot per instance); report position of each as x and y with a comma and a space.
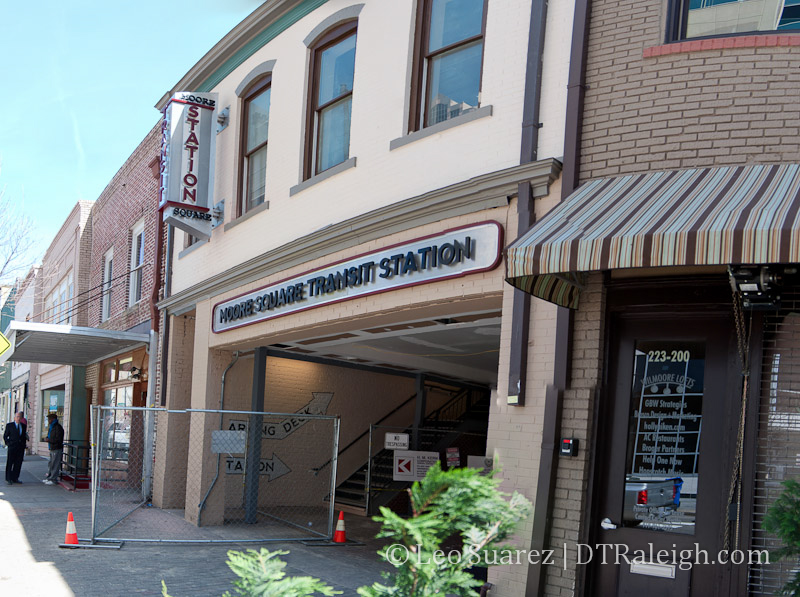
282, 429
410, 465
272, 467
396, 441
228, 442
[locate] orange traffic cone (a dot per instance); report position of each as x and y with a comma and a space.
339, 535
71, 537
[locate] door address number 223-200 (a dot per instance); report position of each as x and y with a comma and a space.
673, 356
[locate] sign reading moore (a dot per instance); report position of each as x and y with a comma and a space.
187, 162
453, 253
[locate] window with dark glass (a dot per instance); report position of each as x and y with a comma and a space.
328, 128
703, 18
448, 57
137, 263
108, 277
255, 135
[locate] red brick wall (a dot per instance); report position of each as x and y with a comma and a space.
132, 195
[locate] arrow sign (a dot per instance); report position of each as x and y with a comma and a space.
273, 467
281, 430
5, 345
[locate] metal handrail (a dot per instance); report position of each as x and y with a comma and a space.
458, 393
317, 469
75, 464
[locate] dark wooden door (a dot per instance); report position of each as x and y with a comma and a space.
664, 468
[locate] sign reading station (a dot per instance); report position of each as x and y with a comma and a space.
453, 253
187, 162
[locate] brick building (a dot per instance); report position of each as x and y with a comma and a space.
23, 375
364, 170
90, 338
367, 222
62, 281
124, 271
673, 257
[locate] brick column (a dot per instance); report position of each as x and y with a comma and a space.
172, 430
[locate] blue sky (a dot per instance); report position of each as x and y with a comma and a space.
79, 81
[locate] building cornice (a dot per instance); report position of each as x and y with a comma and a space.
476, 194
254, 32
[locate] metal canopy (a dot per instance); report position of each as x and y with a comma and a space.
66, 344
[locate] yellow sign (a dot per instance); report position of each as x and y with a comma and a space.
4, 344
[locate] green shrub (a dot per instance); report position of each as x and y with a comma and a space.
783, 520
261, 574
459, 502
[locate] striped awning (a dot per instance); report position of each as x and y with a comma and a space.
706, 216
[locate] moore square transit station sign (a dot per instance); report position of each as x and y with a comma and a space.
451, 254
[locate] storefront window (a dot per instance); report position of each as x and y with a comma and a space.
124, 370
116, 437
664, 436
110, 372
52, 402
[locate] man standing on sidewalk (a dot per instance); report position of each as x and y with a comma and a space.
55, 440
15, 436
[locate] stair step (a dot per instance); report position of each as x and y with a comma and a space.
341, 499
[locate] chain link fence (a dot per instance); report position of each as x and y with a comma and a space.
212, 476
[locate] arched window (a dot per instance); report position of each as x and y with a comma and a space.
330, 99
448, 57
254, 140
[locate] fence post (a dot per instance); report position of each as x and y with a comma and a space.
419, 412
149, 420
94, 463
334, 464
368, 488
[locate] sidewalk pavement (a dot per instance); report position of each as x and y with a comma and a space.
33, 520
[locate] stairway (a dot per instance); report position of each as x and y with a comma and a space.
462, 422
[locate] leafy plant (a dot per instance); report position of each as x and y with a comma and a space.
460, 502
783, 520
261, 574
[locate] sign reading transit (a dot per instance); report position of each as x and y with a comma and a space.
451, 254
187, 162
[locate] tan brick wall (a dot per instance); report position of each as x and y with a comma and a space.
172, 431
515, 432
572, 475
696, 108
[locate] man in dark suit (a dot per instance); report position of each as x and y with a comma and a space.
15, 436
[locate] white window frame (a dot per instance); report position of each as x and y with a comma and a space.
137, 265
108, 274
58, 304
